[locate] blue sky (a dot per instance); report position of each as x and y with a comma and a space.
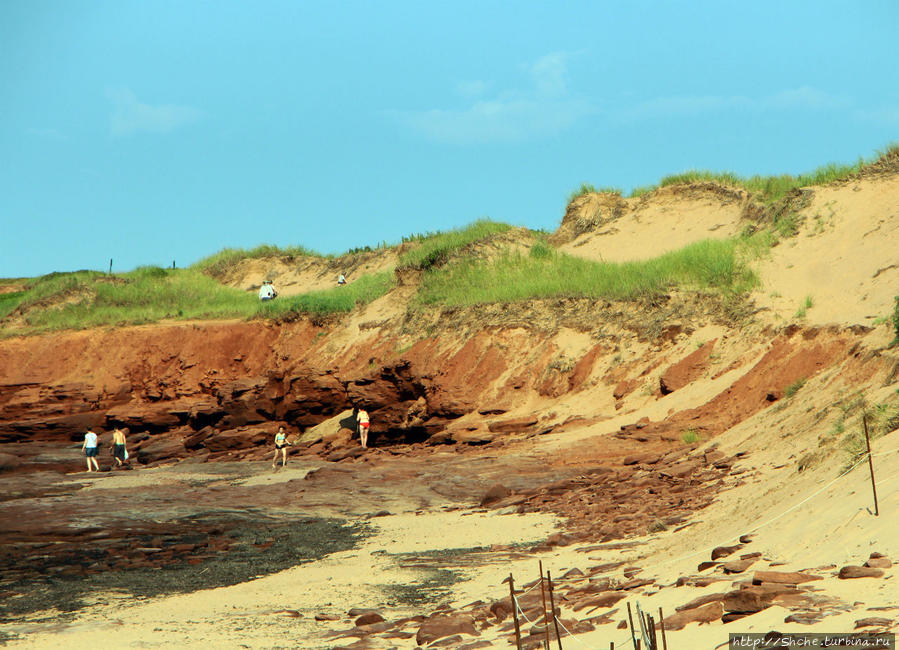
155, 131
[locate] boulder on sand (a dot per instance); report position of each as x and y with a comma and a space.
439, 626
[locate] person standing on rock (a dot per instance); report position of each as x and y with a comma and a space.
90, 448
118, 447
364, 422
281, 445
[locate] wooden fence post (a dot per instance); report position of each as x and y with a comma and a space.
870, 463
552, 607
514, 612
543, 596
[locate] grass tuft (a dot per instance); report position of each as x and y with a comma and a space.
794, 388
895, 319
148, 294
436, 249
807, 304
546, 273
588, 188
218, 263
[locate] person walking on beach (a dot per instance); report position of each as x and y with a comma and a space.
90, 450
281, 445
364, 422
119, 452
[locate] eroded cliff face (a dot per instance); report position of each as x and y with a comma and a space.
219, 390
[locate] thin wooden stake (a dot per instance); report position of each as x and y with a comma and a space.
514, 613
552, 607
545, 621
653, 638
662, 625
871, 464
631, 619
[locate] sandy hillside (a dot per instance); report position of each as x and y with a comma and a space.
620, 230
292, 277
844, 257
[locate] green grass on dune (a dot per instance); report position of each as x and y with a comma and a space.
89, 299
343, 299
768, 188
225, 259
546, 273
435, 249
9, 301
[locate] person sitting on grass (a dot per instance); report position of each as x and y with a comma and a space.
341, 280
267, 291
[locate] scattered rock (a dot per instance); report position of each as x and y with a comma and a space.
439, 626
699, 602
783, 577
723, 551
804, 618
705, 614
368, 618
496, 493
737, 567
878, 561
874, 621
850, 571
747, 600
289, 612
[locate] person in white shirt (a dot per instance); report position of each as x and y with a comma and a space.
341, 279
267, 291
90, 450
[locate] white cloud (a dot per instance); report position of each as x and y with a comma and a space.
130, 115
500, 120
801, 98
543, 108
550, 74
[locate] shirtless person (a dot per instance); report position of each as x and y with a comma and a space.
90, 450
281, 445
118, 447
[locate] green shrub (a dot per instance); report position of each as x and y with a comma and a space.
436, 249
219, 263
9, 301
794, 388
149, 294
588, 188
690, 436
335, 300
896, 319
806, 304
514, 277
